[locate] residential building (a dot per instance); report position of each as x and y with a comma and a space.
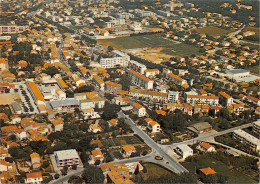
66, 158
247, 139
96, 155
12, 29
183, 151
200, 99
136, 66
151, 72
127, 150
95, 128
238, 108
206, 147
253, 99
207, 171
3, 153
66, 105
140, 80
256, 127
5, 166
112, 87
34, 178
35, 160
152, 95
99, 82
58, 124
118, 59
176, 79
113, 122
92, 103
139, 109
173, 96
154, 127
61, 95
90, 113
225, 98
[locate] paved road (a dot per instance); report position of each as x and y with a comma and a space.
62, 179
172, 164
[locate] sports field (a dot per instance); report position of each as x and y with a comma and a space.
154, 41
213, 31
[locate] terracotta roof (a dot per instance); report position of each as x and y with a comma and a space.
137, 105
153, 123
176, 77
205, 145
200, 96
152, 93
36, 91
97, 154
111, 83
225, 95
127, 148
9, 128
207, 171
57, 122
34, 175
113, 121
160, 112
98, 79
62, 83
139, 75
34, 155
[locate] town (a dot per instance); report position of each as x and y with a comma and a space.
129, 91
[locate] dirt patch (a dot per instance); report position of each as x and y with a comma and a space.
152, 54
9, 98
213, 31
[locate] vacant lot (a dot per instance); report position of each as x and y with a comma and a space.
9, 98
155, 44
121, 141
154, 171
213, 31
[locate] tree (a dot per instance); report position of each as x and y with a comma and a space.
51, 71
64, 172
56, 176
110, 111
110, 48
227, 86
93, 175
75, 179
45, 164
74, 167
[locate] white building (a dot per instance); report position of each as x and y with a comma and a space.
5, 166
33, 178
99, 82
206, 147
173, 96
183, 150
92, 103
140, 80
200, 99
145, 13
153, 95
256, 126
66, 158
118, 59
154, 126
225, 98
151, 72
237, 74
247, 139
139, 109
61, 95
176, 79
136, 66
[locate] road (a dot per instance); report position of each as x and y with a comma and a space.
172, 164
62, 179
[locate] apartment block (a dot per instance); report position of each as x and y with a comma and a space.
247, 139
140, 80
66, 158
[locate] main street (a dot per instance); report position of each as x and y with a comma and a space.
172, 164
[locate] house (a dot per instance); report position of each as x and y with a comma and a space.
238, 108
225, 98
95, 128
200, 127
139, 109
3, 153
151, 72
112, 87
66, 158
8, 129
113, 122
154, 127
33, 178
99, 82
206, 147
207, 171
58, 124
95, 156
5, 166
35, 160
183, 151
127, 150
253, 99
20, 134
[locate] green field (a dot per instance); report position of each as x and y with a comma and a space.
213, 31
170, 47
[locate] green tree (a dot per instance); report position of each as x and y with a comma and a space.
93, 175
110, 111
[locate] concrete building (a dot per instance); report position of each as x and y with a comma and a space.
99, 82
237, 74
58, 124
35, 93
183, 151
136, 66
176, 79
151, 72
200, 127
66, 158
153, 95
127, 150
256, 127
35, 160
173, 96
225, 98
154, 126
206, 147
139, 109
140, 80
118, 58
112, 87
200, 99
247, 139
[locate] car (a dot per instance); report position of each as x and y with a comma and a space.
158, 158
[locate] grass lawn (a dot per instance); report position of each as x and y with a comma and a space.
219, 167
154, 171
155, 41
213, 31
120, 141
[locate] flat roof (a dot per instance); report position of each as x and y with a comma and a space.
66, 154
67, 102
236, 71
247, 136
184, 148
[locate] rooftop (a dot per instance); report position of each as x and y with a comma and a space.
66, 154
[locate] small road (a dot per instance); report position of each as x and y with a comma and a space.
253, 43
156, 148
62, 179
